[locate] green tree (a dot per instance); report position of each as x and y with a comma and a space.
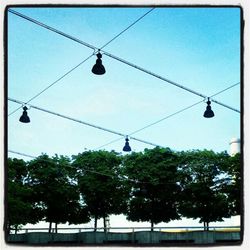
21, 208
232, 186
202, 196
100, 184
56, 191
155, 188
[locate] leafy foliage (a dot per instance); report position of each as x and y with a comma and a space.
233, 186
201, 196
98, 178
21, 207
155, 190
55, 191
157, 185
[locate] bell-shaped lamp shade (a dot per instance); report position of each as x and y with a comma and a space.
24, 117
98, 68
127, 148
209, 112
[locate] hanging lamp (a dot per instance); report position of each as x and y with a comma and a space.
127, 148
209, 112
24, 117
98, 68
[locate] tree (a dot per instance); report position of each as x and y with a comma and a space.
101, 187
21, 209
55, 190
202, 196
233, 185
155, 189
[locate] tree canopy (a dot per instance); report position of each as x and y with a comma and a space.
99, 182
201, 196
21, 207
55, 191
155, 190
156, 185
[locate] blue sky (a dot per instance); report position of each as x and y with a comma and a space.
198, 48
195, 47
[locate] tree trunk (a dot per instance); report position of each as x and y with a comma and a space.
206, 225
15, 229
95, 226
152, 226
56, 227
8, 228
50, 226
104, 224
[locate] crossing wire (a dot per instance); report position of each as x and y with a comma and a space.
132, 24
121, 60
56, 81
83, 122
166, 117
68, 72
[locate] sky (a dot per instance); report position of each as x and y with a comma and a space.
198, 48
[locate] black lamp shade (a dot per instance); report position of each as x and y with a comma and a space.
98, 68
24, 117
127, 148
209, 112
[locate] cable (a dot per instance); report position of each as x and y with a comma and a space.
166, 117
71, 37
60, 78
225, 89
36, 22
52, 29
182, 110
136, 21
167, 80
122, 60
96, 172
33, 157
22, 154
82, 122
151, 124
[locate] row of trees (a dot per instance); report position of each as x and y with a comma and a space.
157, 185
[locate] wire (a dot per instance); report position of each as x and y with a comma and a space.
22, 154
167, 80
225, 89
71, 37
83, 122
36, 22
122, 60
44, 160
60, 78
151, 124
51, 29
96, 172
182, 110
166, 117
136, 21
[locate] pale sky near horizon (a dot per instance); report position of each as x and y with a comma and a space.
198, 48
